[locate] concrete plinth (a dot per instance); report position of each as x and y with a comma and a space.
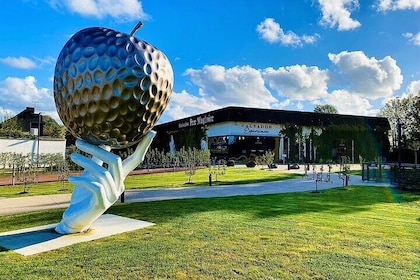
40, 239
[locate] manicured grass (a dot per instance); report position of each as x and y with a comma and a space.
233, 175
355, 172
357, 233
36, 189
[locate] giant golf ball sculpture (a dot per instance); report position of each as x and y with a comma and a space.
110, 89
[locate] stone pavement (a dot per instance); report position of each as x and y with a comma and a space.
9, 206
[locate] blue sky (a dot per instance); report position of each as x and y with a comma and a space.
291, 55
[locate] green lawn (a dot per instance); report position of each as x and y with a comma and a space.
357, 233
234, 175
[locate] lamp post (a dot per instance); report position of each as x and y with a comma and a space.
399, 151
39, 135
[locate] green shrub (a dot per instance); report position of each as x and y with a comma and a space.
410, 179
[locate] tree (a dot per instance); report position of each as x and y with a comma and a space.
10, 126
325, 109
265, 159
413, 124
217, 167
26, 172
52, 128
406, 111
395, 110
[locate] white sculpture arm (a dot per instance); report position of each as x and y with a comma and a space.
98, 188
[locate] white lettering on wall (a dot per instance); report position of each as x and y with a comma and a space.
250, 129
200, 120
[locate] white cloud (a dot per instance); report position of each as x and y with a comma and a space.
16, 94
297, 86
338, 13
413, 38
298, 82
271, 31
236, 86
184, 104
220, 87
6, 114
19, 62
348, 103
124, 10
413, 88
393, 5
283, 104
299, 106
49, 60
368, 77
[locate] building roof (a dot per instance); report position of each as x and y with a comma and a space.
29, 119
245, 114
27, 112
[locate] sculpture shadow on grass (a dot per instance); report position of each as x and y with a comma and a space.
25, 239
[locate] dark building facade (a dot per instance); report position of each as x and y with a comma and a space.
31, 122
243, 133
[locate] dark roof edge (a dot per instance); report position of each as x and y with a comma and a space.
299, 113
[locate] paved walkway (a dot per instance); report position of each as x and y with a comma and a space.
9, 206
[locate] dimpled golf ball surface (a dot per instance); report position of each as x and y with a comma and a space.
111, 88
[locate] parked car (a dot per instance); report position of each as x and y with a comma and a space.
250, 164
294, 166
230, 162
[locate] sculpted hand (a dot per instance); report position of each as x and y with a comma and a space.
98, 187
